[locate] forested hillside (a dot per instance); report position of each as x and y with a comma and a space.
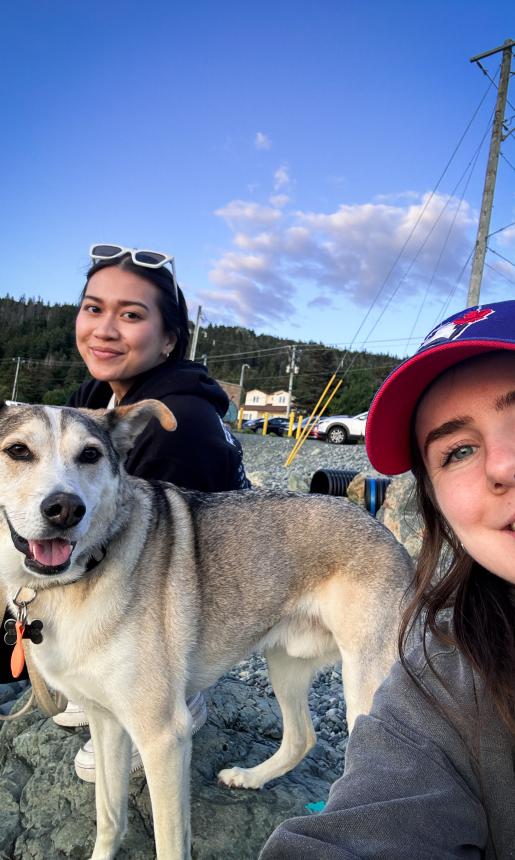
38, 341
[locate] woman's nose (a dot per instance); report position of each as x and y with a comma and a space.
500, 465
105, 327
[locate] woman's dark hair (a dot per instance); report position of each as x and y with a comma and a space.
174, 316
482, 604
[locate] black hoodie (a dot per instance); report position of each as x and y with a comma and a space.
201, 454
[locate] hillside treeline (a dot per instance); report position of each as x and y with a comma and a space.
49, 368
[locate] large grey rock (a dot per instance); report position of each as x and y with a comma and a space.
399, 513
47, 813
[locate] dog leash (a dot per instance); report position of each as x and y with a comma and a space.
23, 635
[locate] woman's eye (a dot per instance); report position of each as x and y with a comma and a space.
132, 315
91, 309
18, 452
89, 455
459, 453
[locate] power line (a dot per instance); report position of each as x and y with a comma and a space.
507, 161
501, 274
472, 164
323, 375
492, 81
421, 214
501, 229
443, 310
252, 352
501, 256
432, 229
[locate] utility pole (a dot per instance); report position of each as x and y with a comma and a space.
292, 369
242, 374
478, 262
15, 383
193, 347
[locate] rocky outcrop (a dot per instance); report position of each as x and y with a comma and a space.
47, 813
399, 513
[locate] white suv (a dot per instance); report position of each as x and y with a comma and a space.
341, 428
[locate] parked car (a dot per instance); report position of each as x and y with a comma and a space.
339, 429
278, 426
312, 433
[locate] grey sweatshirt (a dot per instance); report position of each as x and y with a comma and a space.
422, 781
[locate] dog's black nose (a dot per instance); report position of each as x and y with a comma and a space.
63, 509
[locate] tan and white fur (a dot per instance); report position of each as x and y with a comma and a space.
189, 585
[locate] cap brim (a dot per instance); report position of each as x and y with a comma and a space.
391, 412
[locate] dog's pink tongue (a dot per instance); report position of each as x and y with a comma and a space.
51, 553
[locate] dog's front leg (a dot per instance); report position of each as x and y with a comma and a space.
112, 746
166, 754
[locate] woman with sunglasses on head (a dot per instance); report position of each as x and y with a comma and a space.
132, 333
430, 772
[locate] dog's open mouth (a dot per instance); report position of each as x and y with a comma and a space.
44, 556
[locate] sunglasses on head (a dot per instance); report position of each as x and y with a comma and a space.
140, 257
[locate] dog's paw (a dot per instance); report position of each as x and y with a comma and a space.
239, 777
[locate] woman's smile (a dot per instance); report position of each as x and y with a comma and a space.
102, 353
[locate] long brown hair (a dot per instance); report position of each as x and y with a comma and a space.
482, 604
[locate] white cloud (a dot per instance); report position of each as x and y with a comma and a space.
322, 302
239, 212
276, 255
281, 177
262, 141
395, 196
279, 200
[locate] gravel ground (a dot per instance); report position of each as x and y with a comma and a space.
265, 456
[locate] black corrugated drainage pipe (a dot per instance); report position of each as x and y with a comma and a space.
334, 482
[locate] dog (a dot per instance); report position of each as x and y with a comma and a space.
149, 593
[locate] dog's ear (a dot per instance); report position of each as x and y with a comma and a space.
125, 423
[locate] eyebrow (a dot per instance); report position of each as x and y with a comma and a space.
123, 303
505, 401
446, 429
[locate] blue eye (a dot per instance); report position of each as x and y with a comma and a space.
459, 453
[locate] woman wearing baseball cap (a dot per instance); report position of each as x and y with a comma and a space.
430, 772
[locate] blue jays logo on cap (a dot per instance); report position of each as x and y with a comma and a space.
455, 327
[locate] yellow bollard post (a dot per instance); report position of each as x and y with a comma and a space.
265, 424
240, 418
290, 425
299, 427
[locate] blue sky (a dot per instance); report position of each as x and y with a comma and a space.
283, 151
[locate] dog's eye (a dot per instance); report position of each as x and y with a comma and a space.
89, 455
18, 452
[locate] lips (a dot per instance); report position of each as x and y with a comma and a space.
43, 556
98, 352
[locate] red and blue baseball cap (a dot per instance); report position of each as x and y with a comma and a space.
466, 334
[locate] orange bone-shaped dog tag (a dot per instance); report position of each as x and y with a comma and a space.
18, 655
